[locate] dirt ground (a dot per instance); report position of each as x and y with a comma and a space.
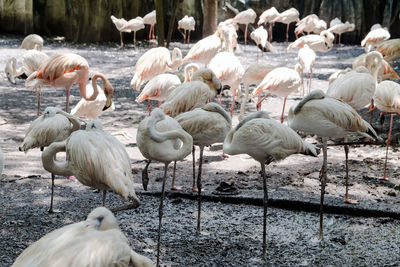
231, 233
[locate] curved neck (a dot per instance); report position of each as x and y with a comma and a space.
190, 69
16, 72
82, 88
55, 167
176, 59
76, 125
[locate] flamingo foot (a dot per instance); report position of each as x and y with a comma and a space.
351, 201
225, 156
194, 189
176, 188
52, 211
383, 178
72, 178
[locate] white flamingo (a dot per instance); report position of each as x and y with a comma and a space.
187, 24
254, 74
306, 59
375, 37
308, 24
120, 24
342, 28
207, 125
134, 25
373, 61
266, 17
229, 71
265, 140
52, 126
328, 117
32, 41
151, 19
260, 37
97, 159
322, 42
245, 17
93, 109
280, 81
155, 61
287, 17
97, 241
161, 138
390, 49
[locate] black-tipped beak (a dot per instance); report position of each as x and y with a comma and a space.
106, 107
108, 104
11, 79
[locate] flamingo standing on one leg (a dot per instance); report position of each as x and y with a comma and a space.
266, 17
265, 140
151, 19
207, 125
287, 17
342, 28
280, 81
260, 37
52, 126
119, 24
245, 17
134, 25
375, 37
63, 71
187, 24
328, 117
387, 100
97, 159
322, 42
161, 138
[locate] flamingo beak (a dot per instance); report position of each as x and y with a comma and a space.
11, 79
110, 97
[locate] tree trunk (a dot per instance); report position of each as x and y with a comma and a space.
160, 21
209, 17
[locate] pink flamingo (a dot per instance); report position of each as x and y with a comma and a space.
150, 19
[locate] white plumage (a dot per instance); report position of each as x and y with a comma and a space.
151, 19
120, 24
97, 241
267, 17
375, 37
260, 37
322, 42
134, 25
245, 17
287, 17
187, 24
32, 41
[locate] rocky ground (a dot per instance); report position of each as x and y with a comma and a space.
231, 233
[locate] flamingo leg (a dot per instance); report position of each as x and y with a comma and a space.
173, 187
134, 38
265, 204
159, 103
104, 197
372, 108
188, 37
287, 32
149, 105
245, 35
244, 101
199, 189
67, 100
154, 36
387, 148
309, 87
270, 32
194, 188
340, 38
38, 100
150, 33
122, 43
52, 193
302, 80
160, 213
260, 100
323, 183
233, 102
145, 176
283, 109
184, 36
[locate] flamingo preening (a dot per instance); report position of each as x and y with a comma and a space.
120, 24
187, 24
32, 41
151, 19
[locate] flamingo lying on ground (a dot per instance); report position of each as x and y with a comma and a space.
265, 140
32, 41
63, 71
97, 241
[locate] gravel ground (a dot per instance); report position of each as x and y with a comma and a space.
231, 233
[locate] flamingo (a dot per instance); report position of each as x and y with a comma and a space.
322, 42
2, 160
260, 37
97, 241
134, 25
319, 27
150, 19
280, 81
307, 24
375, 37
161, 138
32, 41
265, 140
254, 74
390, 49
387, 100
187, 24
155, 61
119, 24
229, 36
328, 117
52, 126
287, 17
228, 70
245, 17
342, 28
266, 17
306, 60
207, 125
205, 49
334, 22
373, 60
63, 71
190, 95
159, 87
93, 109
97, 159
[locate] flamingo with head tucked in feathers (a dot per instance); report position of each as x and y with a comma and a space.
187, 24
375, 37
120, 25
266, 17
32, 41
134, 25
151, 19
287, 17
322, 42
245, 17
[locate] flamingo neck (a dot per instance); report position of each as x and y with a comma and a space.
16, 72
55, 167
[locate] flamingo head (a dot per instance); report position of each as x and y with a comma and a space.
207, 76
109, 92
9, 70
102, 219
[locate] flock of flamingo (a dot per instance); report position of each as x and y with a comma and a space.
186, 117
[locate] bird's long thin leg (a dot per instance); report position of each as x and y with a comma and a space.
323, 183
270, 32
145, 176
265, 204
154, 35
346, 196
160, 213
244, 101
122, 43
184, 36
104, 197
302, 80
283, 109
233, 102
194, 188
260, 100
339, 38
38, 101
150, 33
173, 187
372, 108
188, 37
245, 35
52, 193
134, 38
67, 99
387, 148
149, 105
199, 189
287, 33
